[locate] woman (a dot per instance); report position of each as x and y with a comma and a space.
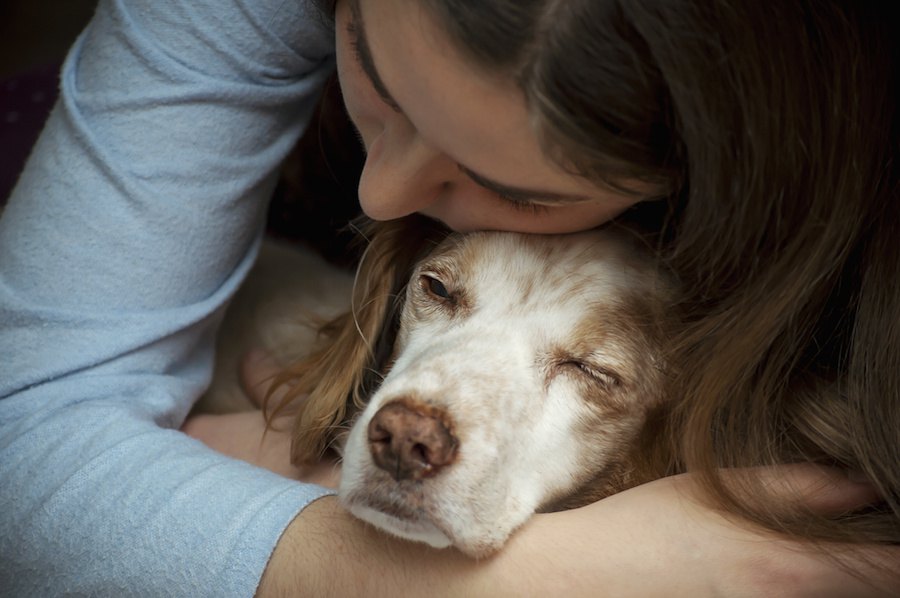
139, 212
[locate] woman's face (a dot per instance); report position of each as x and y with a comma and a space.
446, 140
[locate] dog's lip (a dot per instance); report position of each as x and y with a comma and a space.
415, 525
397, 507
392, 508
407, 499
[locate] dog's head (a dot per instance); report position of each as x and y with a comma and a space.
523, 371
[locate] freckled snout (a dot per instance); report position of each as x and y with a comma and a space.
411, 441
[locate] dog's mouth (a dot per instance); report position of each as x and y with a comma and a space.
398, 518
410, 516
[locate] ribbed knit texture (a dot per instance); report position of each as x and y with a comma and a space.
137, 216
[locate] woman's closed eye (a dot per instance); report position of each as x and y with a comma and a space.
523, 205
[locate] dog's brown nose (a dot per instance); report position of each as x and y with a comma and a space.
411, 441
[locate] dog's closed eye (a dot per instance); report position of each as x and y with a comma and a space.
604, 376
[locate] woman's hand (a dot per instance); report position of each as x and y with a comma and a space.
246, 436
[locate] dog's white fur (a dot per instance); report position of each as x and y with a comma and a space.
540, 353
543, 390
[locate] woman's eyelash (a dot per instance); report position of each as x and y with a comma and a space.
512, 200
523, 205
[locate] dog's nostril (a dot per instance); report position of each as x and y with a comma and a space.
410, 441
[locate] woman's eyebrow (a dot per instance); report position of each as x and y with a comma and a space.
364, 56
521, 194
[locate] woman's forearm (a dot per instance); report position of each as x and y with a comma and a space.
659, 539
327, 552
133, 223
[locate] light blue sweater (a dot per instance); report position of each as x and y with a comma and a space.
137, 216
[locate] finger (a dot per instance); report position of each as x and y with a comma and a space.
830, 490
826, 490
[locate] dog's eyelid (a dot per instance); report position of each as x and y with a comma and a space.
600, 374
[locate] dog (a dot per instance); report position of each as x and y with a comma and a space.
518, 380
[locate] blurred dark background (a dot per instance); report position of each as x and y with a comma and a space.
34, 38
34, 33
317, 194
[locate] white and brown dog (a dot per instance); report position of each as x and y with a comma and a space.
520, 377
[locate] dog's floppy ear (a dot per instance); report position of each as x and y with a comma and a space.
335, 381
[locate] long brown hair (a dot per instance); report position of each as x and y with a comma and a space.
772, 132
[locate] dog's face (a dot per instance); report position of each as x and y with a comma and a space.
524, 367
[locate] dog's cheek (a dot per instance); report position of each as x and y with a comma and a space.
481, 513
572, 443
605, 464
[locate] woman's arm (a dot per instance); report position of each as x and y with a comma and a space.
137, 216
654, 540
659, 539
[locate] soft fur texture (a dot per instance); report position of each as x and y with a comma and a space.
522, 372
286, 297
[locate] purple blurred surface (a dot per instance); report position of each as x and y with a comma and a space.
25, 102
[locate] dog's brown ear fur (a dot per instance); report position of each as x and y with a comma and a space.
335, 381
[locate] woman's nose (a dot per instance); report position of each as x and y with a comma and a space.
403, 175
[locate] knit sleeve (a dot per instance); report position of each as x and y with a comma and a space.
138, 214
